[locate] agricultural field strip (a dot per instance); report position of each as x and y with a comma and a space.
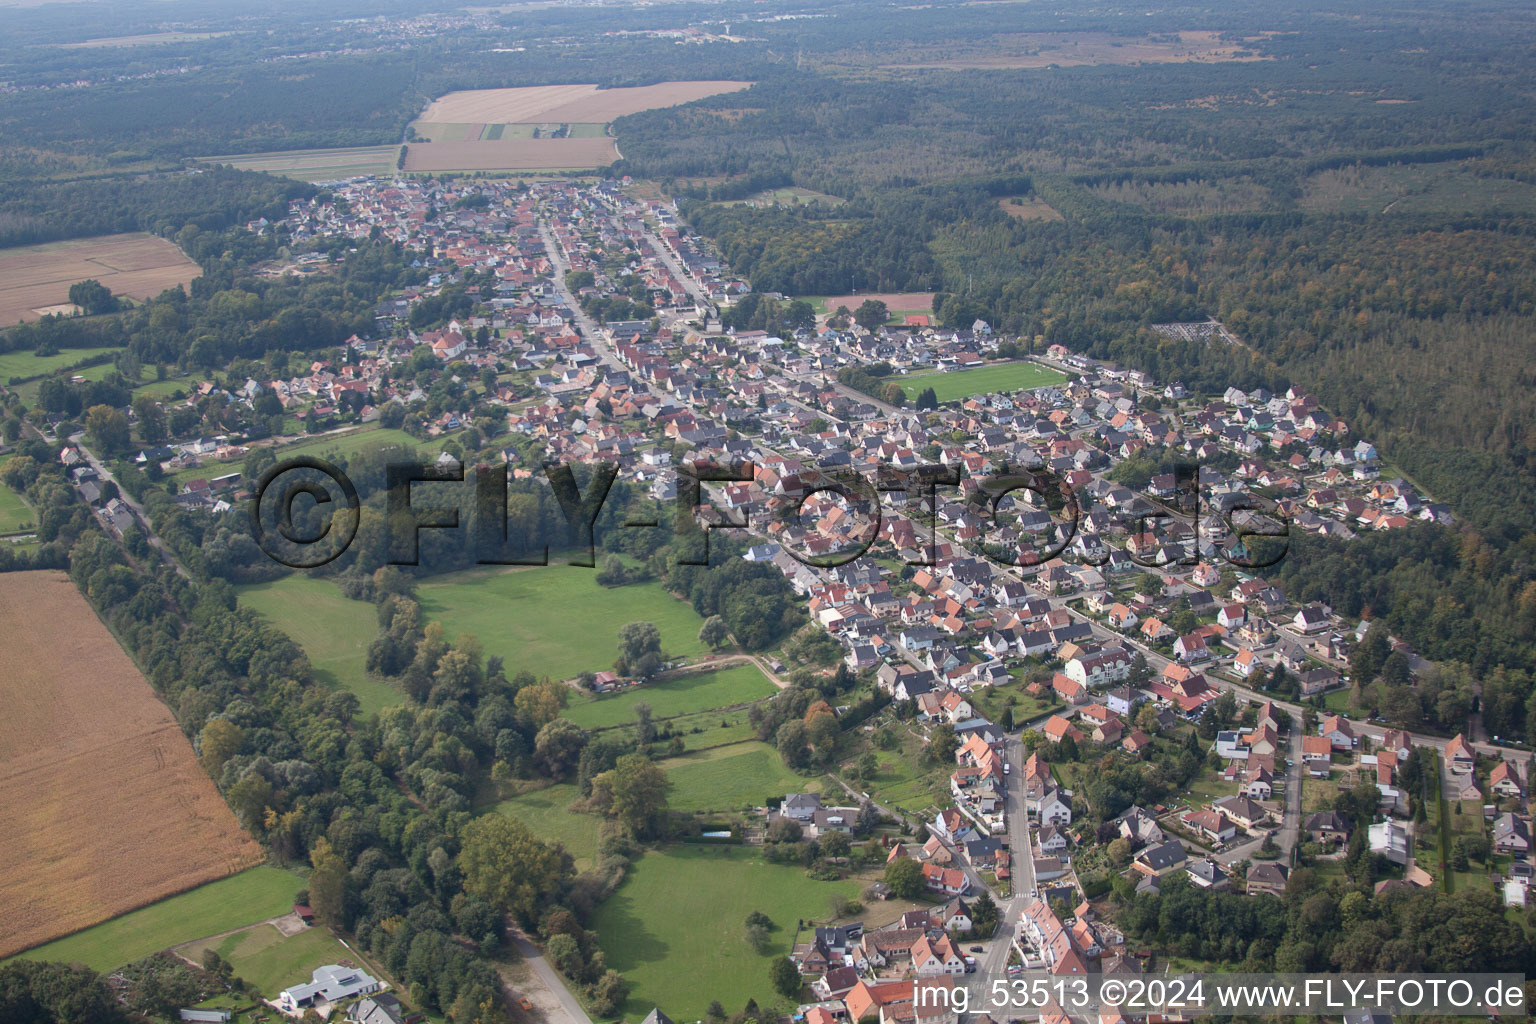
137, 265
511, 154
561, 104
103, 807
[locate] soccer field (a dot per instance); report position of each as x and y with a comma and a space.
958, 385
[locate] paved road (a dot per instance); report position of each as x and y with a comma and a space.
822, 380
138, 510
677, 269
1290, 827
571, 1009
589, 329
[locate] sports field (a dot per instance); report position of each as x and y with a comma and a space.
731, 778
334, 631
899, 304
244, 899
103, 806
697, 691
14, 511
35, 279
675, 927
555, 620
316, 164
957, 385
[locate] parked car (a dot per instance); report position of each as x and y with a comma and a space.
975, 949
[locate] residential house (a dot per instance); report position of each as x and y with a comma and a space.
1314, 618
1458, 755
1057, 729
1258, 784
1337, 730
1317, 754
1505, 780
329, 984
1054, 809
1267, 877
380, 1009
1244, 812
1162, 859
1511, 834
1207, 874
1213, 825
1390, 840
932, 957
1191, 647
945, 881
1327, 827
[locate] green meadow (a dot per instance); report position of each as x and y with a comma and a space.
555, 620
234, 902
679, 695
675, 928
334, 631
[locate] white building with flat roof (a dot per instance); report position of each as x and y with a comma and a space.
329, 984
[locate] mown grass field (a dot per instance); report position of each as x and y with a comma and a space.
334, 631
555, 620
14, 511
731, 778
545, 812
30, 364
163, 389
28, 392
330, 448
251, 896
316, 164
697, 691
958, 385
675, 927
272, 961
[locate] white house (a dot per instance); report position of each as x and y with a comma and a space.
329, 984
1055, 809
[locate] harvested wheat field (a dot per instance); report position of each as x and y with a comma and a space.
34, 278
552, 104
511, 155
103, 806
